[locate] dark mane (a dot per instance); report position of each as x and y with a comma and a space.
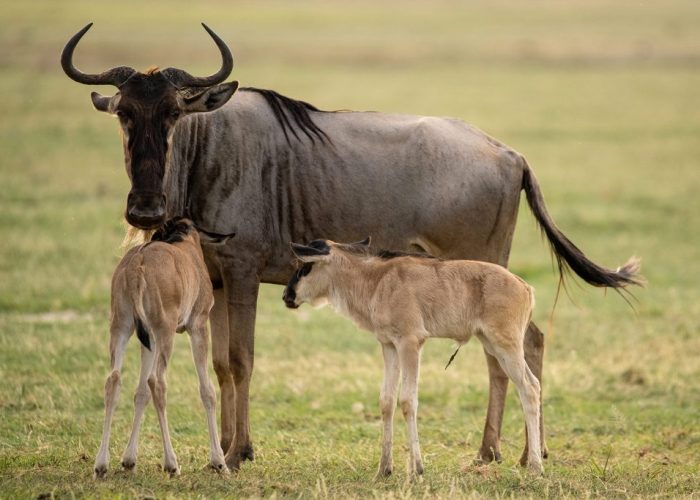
391, 254
173, 231
292, 115
364, 251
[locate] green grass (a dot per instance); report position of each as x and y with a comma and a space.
600, 96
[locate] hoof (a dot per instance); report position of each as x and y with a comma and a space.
100, 472
384, 472
219, 468
234, 458
535, 468
247, 453
486, 457
129, 465
233, 462
172, 470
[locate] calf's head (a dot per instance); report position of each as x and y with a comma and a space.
179, 229
148, 106
312, 281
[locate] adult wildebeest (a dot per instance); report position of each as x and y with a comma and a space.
274, 170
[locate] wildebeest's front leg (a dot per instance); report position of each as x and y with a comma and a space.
219, 342
498, 385
387, 403
120, 331
409, 350
241, 284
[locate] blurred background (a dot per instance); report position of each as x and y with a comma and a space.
600, 96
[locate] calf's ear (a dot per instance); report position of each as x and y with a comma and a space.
211, 99
310, 254
209, 238
364, 243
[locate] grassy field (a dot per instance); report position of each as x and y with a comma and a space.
602, 97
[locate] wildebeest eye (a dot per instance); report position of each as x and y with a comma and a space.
175, 114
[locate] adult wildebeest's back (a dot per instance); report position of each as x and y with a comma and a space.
417, 183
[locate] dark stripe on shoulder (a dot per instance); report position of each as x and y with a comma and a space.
292, 114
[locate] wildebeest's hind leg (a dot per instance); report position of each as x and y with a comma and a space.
163, 348
220, 346
242, 295
409, 349
142, 397
120, 331
528, 387
498, 386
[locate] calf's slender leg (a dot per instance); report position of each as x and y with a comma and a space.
387, 404
528, 387
157, 383
120, 331
534, 356
142, 397
498, 387
409, 350
220, 346
200, 347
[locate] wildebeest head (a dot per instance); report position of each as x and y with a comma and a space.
310, 283
148, 106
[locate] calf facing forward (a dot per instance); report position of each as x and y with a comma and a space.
159, 288
406, 299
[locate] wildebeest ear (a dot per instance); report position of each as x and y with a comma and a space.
310, 253
209, 238
101, 102
211, 99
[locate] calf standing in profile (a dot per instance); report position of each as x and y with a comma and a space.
159, 288
406, 299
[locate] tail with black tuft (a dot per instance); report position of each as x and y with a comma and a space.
142, 334
568, 255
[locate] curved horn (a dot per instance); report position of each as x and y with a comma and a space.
115, 76
181, 78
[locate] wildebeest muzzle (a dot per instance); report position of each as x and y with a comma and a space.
289, 298
145, 210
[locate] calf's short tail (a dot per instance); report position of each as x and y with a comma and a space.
142, 334
141, 331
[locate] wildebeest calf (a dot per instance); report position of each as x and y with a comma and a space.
159, 288
405, 300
